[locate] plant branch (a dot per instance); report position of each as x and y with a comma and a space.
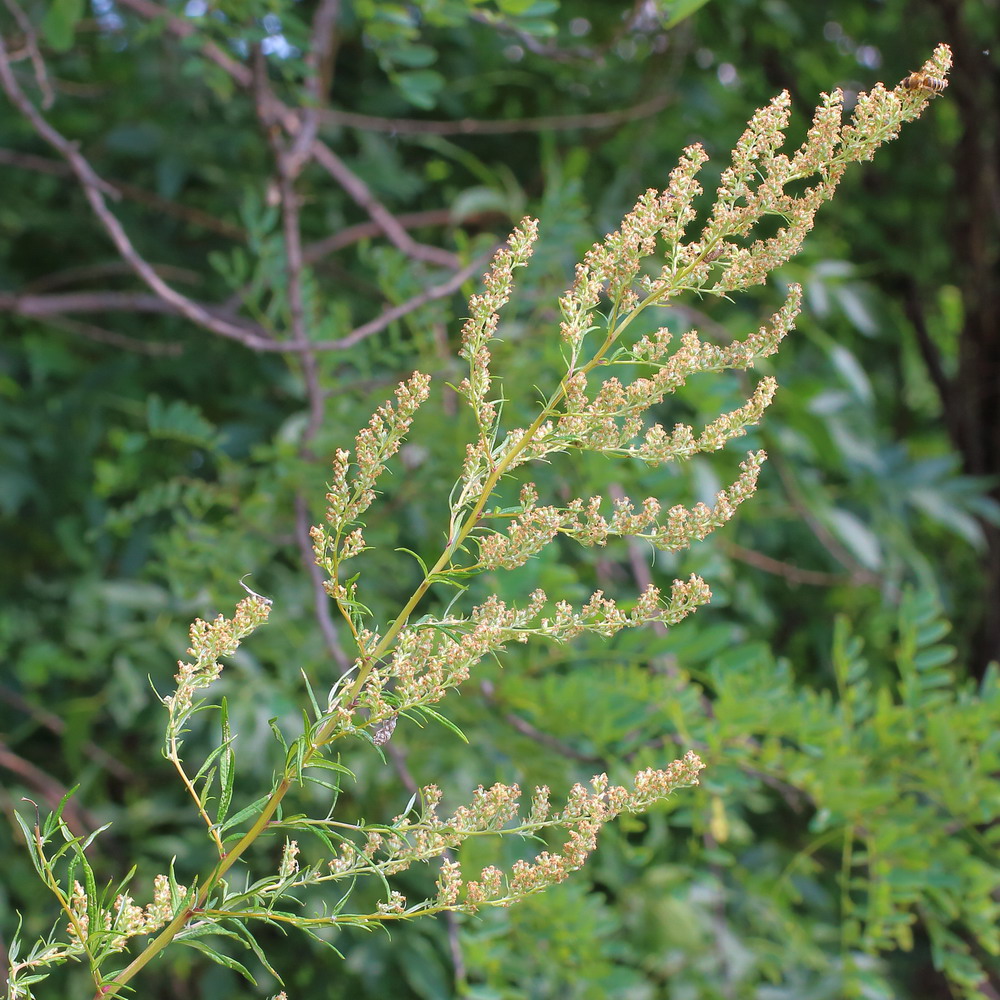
116, 188
477, 126
31, 44
362, 195
793, 574
48, 787
288, 162
380, 322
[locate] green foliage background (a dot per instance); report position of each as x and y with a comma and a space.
844, 839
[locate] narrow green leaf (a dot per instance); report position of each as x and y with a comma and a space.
218, 958
312, 697
278, 735
247, 811
447, 723
244, 932
37, 857
227, 769
410, 552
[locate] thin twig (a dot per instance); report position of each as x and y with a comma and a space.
48, 305
478, 126
64, 302
288, 163
793, 574
349, 235
121, 189
639, 20
154, 349
185, 29
859, 573
638, 560
56, 725
31, 44
381, 321
398, 757
362, 195
109, 269
78, 819
323, 50
535, 734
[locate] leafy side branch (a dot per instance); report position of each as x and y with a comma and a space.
601, 403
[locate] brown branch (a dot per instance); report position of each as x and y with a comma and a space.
544, 739
87, 272
49, 305
638, 560
315, 252
474, 126
31, 44
366, 230
63, 302
859, 573
39, 164
100, 335
43, 165
362, 195
185, 29
94, 189
381, 321
793, 574
56, 725
289, 162
643, 16
323, 51
913, 307
77, 818
550, 50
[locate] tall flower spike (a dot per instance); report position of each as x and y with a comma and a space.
479, 329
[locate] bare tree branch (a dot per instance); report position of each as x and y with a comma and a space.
243, 75
478, 126
535, 734
112, 268
288, 162
155, 349
323, 51
859, 574
644, 18
116, 189
78, 819
381, 321
56, 725
53, 305
793, 574
31, 44
360, 193
87, 302
366, 230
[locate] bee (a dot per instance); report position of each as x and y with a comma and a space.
926, 82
